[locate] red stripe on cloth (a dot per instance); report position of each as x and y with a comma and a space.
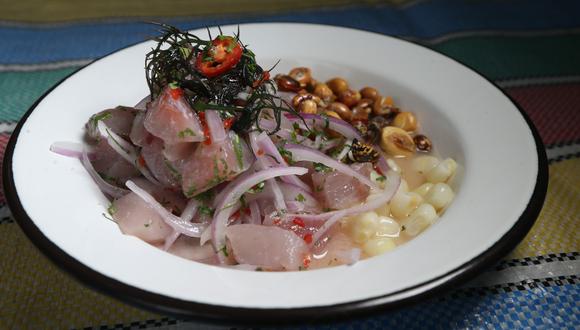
555, 110
3, 142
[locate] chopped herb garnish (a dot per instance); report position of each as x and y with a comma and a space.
173, 59
259, 269
174, 172
185, 133
319, 188
100, 116
299, 198
319, 167
287, 155
205, 196
112, 209
259, 187
224, 250
381, 178
238, 150
206, 210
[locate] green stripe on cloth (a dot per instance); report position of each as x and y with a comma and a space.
66, 10
516, 57
19, 90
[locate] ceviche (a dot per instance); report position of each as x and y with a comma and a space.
224, 164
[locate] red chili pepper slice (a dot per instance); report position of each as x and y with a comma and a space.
228, 122
206, 134
176, 93
265, 76
308, 238
225, 52
299, 222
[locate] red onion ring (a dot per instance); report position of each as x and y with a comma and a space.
183, 227
71, 149
215, 125
332, 123
105, 187
300, 153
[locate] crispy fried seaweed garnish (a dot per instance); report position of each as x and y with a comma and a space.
172, 61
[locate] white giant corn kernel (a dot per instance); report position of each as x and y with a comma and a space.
403, 204
364, 226
384, 210
424, 189
377, 246
440, 196
419, 219
388, 227
442, 172
423, 164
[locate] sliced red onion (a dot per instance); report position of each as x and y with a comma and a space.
382, 164
215, 125
262, 164
169, 240
300, 153
105, 187
183, 227
318, 121
345, 150
327, 145
392, 185
190, 210
71, 149
255, 214
125, 149
317, 142
142, 105
265, 143
223, 212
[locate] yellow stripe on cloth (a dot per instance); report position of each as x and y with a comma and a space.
35, 294
71, 10
557, 229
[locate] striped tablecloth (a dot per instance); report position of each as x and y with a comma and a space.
531, 49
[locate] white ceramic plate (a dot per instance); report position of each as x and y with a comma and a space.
499, 194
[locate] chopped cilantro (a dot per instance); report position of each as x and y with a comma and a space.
299, 198
174, 172
259, 269
319, 167
100, 116
238, 151
205, 196
381, 178
190, 191
174, 84
294, 137
295, 125
287, 155
259, 187
206, 210
185, 133
112, 209
224, 250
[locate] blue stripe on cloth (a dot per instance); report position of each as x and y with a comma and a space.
544, 307
34, 44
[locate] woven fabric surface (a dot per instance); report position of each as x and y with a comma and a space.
530, 49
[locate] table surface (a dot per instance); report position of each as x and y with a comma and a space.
529, 49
